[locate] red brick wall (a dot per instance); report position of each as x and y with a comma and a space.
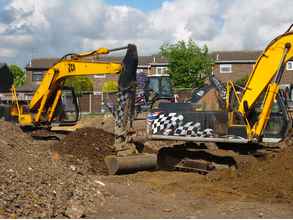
240, 70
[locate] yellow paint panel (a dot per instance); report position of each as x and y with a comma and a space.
266, 68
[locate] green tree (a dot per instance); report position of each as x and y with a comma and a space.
18, 75
80, 84
110, 86
189, 65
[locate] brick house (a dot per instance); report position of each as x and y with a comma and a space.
234, 65
90, 101
228, 65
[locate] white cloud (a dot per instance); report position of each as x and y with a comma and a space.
186, 18
7, 53
251, 24
53, 28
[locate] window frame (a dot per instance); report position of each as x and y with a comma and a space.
164, 68
39, 75
289, 63
100, 76
227, 65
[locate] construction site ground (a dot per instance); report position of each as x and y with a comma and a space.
64, 176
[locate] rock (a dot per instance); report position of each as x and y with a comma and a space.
74, 209
260, 214
100, 183
72, 167
55, 156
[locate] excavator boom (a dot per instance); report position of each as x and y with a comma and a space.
71, 68
266, 68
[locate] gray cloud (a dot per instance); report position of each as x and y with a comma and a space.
52, 28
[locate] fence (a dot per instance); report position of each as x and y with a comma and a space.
91, 102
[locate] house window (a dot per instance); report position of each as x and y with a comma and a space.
103, 76
161, 70
225, 68
290, 65
37, 76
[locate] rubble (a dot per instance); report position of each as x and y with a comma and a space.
66, 179
85, 150
37, 180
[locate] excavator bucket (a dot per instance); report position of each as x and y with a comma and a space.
6, 78
127, 90
131, 163
128, 159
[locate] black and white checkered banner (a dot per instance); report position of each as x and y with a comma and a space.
173, 124
166, 121
120, 112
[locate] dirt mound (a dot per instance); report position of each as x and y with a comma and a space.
25, 174
49, 179
36, 184
269, 179
86, 149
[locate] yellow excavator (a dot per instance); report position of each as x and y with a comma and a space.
254, 115
51, 99
54, 104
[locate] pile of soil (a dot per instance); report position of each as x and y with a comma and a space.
269, 179
49, 179
35, 183
25, 174
86, 148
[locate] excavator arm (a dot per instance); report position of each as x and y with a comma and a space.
264, 82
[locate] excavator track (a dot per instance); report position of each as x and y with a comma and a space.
181, 158
203, 159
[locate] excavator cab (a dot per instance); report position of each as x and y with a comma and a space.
67, 112
279, 123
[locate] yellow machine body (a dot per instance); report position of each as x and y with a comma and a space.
263, 80
40, 111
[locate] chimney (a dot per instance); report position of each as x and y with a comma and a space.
154, 59
218, 57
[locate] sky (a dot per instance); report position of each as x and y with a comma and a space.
143, 5
51, 28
